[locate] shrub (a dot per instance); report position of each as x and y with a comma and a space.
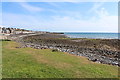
54, 50
5, 40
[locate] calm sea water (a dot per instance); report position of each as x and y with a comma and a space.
92, 35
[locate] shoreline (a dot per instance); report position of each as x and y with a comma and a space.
95, 50
92, 35
92, 50
4, 36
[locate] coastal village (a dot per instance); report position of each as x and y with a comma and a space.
6, 31
13, 30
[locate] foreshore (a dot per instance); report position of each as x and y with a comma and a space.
103, 51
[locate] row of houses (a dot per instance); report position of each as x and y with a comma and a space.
5, 30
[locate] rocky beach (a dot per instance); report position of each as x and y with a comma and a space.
105, 51
96, 50
101, 51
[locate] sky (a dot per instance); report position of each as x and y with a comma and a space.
61, 16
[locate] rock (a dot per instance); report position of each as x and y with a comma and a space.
54, 50
17, 47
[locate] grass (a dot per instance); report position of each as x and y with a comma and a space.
37, 63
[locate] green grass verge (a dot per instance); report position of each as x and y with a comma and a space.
36, 63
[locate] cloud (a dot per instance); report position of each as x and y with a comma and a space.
53, 4
2, 26
104, 24
61, 23
68, 22
102, 12
30, 7
14, 0
19, 20
99, 10
95, 7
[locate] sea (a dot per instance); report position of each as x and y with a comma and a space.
92, 35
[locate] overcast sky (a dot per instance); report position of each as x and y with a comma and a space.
61, 16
